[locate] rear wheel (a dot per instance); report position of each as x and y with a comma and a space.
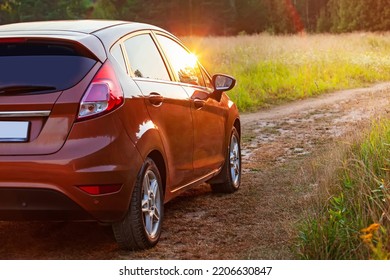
232, 168
141, 227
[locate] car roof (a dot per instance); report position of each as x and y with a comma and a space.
96, 35
82, 26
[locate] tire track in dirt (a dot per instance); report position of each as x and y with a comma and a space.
326, 117
257, 222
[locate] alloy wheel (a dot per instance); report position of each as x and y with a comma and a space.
235, 161
151, 204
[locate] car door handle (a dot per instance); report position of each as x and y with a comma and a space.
155, 99
199, 103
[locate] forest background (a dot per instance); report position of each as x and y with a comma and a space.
215, 17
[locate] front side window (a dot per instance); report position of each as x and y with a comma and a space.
145, 59
207, 80
183, 63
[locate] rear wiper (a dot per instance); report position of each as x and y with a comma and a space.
25, 89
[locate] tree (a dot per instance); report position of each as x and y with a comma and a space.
251, 16
214, 17
355, 15
106, 9
77, 9
32, 10
310, 12
281, 16
8, 11
376, 15
323, 22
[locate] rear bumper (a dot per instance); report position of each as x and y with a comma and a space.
38, 204
47, 186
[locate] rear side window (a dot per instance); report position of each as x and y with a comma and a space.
145, 59
31, 67
116, 52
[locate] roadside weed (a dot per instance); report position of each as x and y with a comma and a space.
353, 223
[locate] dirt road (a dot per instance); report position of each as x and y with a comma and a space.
257, 222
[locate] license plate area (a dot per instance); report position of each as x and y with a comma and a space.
14, 131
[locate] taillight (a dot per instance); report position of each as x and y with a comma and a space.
12, 40
100, 189
103, 95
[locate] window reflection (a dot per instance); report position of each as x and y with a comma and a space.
145, 59
183, 63
207, 80
117, 54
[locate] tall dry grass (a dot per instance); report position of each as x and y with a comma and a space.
274, 69
351, 219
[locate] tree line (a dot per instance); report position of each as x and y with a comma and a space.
214, 17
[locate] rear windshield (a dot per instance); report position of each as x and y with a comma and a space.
34, 67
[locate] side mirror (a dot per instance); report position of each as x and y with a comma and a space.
223, 82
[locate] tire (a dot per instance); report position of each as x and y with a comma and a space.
141, 227
231, 171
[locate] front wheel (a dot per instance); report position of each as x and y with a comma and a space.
232, 168
141, 227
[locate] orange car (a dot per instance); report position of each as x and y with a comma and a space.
107, 121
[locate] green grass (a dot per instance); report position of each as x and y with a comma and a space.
275, 69
359, 197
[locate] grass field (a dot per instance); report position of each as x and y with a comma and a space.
351, 218
275, 69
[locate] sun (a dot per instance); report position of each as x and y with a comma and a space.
187, 60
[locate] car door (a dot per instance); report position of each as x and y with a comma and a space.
167, 103
209, 116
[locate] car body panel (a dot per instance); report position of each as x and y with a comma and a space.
208, 147
156, 118
83, 160
177, 136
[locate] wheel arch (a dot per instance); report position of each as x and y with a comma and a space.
219, 178
237, 125
159, 160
